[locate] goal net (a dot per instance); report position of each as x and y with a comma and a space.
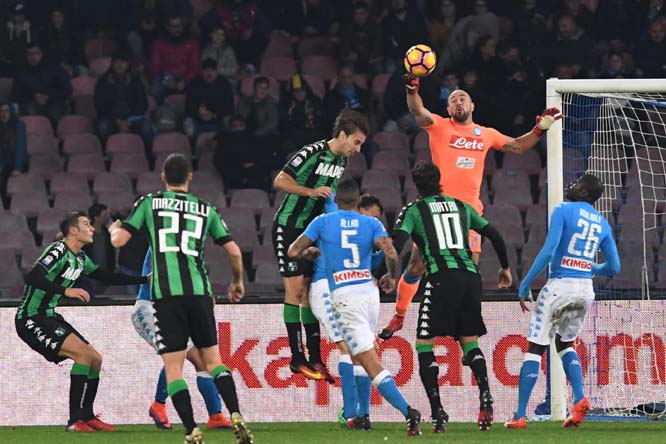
616, 130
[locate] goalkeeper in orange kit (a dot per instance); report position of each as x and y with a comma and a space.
458, 147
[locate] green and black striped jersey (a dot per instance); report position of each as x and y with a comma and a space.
439, 225
63, 267
177, 225
312, 166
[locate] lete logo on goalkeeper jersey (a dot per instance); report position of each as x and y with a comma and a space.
463, 143
576, 264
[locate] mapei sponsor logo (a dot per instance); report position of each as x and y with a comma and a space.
464, 143
351, 276
329, 170
576, 264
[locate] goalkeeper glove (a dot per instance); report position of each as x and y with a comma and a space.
411, 83
545, 120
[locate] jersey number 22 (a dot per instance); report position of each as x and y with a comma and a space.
174, 229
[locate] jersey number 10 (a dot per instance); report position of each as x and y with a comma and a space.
449, 232
174, 228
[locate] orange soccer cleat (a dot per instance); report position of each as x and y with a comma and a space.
218, 421
158, 412
394, 325
578, 414
306, 370
326, 375
513, 423
100, 425
79, 426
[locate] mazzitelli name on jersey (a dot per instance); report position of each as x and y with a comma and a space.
184, 206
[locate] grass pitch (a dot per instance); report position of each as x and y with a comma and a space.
325, 433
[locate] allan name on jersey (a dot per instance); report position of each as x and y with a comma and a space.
183, 206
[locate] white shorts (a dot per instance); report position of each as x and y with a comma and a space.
143, 319
560, 309
320, 304
356, 309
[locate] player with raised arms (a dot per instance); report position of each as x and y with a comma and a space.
178, 223
451, 305
347, 239
577, 231
458, 147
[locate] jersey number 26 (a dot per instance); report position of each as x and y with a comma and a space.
589, 235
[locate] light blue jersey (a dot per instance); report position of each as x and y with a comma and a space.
576, 233
144, 289
346, 239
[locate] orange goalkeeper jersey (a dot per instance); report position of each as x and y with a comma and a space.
459, 151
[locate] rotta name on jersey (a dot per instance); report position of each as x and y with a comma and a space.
183, 206
464, 143
329, 170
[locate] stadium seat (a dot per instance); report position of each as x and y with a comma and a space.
45, 165
279, 45
73, 201
268, 273
125, 143
74, 124
489, 165
205, 142
86, 164
245, 237
266, 220
316, 84
380, 179
316, 46
177, 102
422, 156
390, 199
26, 182
84, 143
238, 219
278, 198
502, 214
530, 162
536, 214
358, 79
323, 66
172, 143
263, 254
395, 161
519, 197
16, 240
221, 201
149, 182
280, 68
116, 200
49, 237
130, 164
543, 178
537, 233
357, 166
82, 86
84, 105
6, 84
41, 144
629, 276
69, 182
512, 234
29, 254
210, 196
219, 271
508, 180
110, 182
28, 202
11, 279
99, 66
392, 140
253, 199
11, 222
37, 125
98, 47
205, 163
378, 86
204, 180
488, 268
48, 219
247, 86
421, 142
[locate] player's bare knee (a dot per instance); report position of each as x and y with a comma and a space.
536, 349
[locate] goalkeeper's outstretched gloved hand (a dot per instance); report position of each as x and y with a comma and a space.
545, 120
411, 83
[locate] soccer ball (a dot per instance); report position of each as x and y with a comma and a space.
420, 60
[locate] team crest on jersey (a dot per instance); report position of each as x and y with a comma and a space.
477, 131
296, 162
292, 266
59, 331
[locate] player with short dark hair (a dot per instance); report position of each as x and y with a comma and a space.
51, 278
451, 305
178, 223
577, 231
369, 203
308, 179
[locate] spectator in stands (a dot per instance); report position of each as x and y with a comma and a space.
239, 166
175, 60
221, 52
465, 34
320, 18
401, 29
450, 83
571, 45
209, 100
362, 41
140, 40
486, 63
120, 100
301, 115
42, 88
60, 45
651, 53
13, 143
443, 19
616, 68
17, 35
237, 16
345, 94
262, 117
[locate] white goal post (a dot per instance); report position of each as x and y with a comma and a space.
622, 110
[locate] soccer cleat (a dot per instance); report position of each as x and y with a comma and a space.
241, 431
157, 411
354, 423
306, 370
100, 425
365, 423
196, 437
218, 421
79, 426
439, 421
341, 417
513, 423
413, 419
321, 368
394, 325
485, 411
578, 413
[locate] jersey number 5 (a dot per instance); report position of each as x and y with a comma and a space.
344, 242
449, 232
589, 235
174, 228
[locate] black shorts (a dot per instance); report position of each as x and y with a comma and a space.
179, 318
451, 305
45, 334
282, 238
